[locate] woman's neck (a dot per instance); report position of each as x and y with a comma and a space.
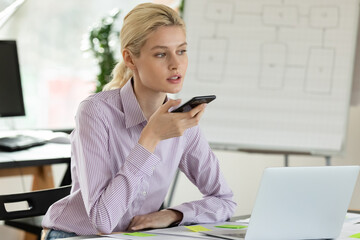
149, 101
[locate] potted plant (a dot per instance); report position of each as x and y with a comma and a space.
98, 40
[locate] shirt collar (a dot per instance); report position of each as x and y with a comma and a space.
132, 110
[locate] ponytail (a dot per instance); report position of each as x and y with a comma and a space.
121, 74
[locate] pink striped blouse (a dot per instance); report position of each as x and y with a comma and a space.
115, 178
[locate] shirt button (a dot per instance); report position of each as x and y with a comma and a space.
144, 193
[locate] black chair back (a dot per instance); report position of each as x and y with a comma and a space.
38, 202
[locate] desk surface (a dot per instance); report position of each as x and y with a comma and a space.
36, 161
349, 228
50, 153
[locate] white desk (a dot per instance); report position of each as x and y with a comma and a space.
36, 161
349, 228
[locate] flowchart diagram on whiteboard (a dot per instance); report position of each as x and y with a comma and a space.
281, 70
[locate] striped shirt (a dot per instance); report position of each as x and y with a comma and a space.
115, 178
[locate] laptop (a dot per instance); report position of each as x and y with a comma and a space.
299, 203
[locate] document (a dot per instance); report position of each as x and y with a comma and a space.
351, 227
184, 231
142, 235
99, 238
245, 221
174, 233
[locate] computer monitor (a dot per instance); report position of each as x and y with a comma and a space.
11, 97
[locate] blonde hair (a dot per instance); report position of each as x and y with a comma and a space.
138, 24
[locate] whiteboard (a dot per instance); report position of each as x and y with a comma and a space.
281, 70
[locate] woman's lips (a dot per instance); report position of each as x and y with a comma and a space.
174, 79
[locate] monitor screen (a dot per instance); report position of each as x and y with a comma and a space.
11, 97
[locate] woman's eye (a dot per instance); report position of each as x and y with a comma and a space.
160, 55
181, 52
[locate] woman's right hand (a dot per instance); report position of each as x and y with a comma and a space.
164, 124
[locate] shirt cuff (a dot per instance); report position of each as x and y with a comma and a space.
143, 160
188, 214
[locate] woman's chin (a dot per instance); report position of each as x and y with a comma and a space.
176, 88
174, 91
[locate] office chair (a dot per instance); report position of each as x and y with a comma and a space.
38, 203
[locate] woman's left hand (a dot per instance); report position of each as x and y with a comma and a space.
160, 219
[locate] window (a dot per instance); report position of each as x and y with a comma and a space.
56, 74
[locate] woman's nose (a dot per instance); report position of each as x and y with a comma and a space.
174, 63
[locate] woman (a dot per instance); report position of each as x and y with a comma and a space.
127, 146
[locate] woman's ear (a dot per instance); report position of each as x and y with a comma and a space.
128, 59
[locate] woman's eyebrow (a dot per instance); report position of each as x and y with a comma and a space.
183, 44
165, 47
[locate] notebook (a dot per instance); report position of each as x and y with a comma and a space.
299, 203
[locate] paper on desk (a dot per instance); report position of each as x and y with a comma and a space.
184, 232
228, 226
197, 228
191, 235
350, 227
352, 217
357, 235
174, 233
348, 230
138, 237
99, 238
246, 220
139, 234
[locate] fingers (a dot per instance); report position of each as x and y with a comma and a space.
158, 219
138, 227
134, 225
192, 118
163, 124
170, 103
141, 222
200, 113
193, 112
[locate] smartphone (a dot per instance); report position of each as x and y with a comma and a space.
195, 101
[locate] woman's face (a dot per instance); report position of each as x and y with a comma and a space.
163, 61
